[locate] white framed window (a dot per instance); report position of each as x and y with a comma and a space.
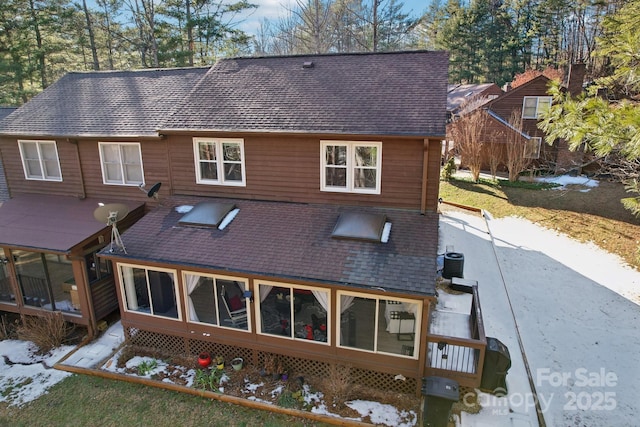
216, 300
351, 166
150, 291
121, 163
532, 147
219, 161
377, 324
534, 106
40, 160
294, 312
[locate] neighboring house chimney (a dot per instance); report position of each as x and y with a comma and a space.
576, 78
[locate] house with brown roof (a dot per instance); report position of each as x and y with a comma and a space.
297, 215
89, 139
526, 101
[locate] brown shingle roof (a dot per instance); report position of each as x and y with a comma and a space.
286, 240
394, 93
53, 223
111, 103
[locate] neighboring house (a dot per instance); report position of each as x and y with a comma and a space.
298, 210
527, 101
463, 98
79, 143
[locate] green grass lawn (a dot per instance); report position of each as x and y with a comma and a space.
83, 400
594, 216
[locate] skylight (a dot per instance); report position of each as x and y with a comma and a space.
360, 226
208, 214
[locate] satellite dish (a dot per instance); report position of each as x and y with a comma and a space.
110, 214
153, 192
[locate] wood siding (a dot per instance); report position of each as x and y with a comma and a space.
104, 298
17, 183
287, 168
154, 163
279, 168
513, 100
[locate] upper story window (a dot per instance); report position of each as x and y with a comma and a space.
532, 148
351, 166
40, 160
121, 163
219, 161
534, 106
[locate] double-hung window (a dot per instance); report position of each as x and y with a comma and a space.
534, 106
351, 166
40, 160
121, 163
219, 161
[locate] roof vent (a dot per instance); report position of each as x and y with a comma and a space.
308, 64
362, 226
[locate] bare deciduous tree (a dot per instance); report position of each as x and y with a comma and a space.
516, 143
494, 154
468, 133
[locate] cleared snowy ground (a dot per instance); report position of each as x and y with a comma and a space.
576, 309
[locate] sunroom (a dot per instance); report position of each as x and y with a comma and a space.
48, 258
282, 278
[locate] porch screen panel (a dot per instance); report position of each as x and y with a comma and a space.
150, 291
7, 295
201, 301
61, 279
275, 310
358, 323
162, 291
397, 327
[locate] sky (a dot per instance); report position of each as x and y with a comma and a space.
573, 309
274, 9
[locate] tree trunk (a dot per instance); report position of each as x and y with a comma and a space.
92, 39
40, 48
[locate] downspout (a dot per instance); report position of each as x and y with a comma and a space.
425, 176
83, 192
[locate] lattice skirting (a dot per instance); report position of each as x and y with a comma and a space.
191, 347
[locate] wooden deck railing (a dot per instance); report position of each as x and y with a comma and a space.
459, 358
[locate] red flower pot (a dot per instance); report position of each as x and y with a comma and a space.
204, 360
